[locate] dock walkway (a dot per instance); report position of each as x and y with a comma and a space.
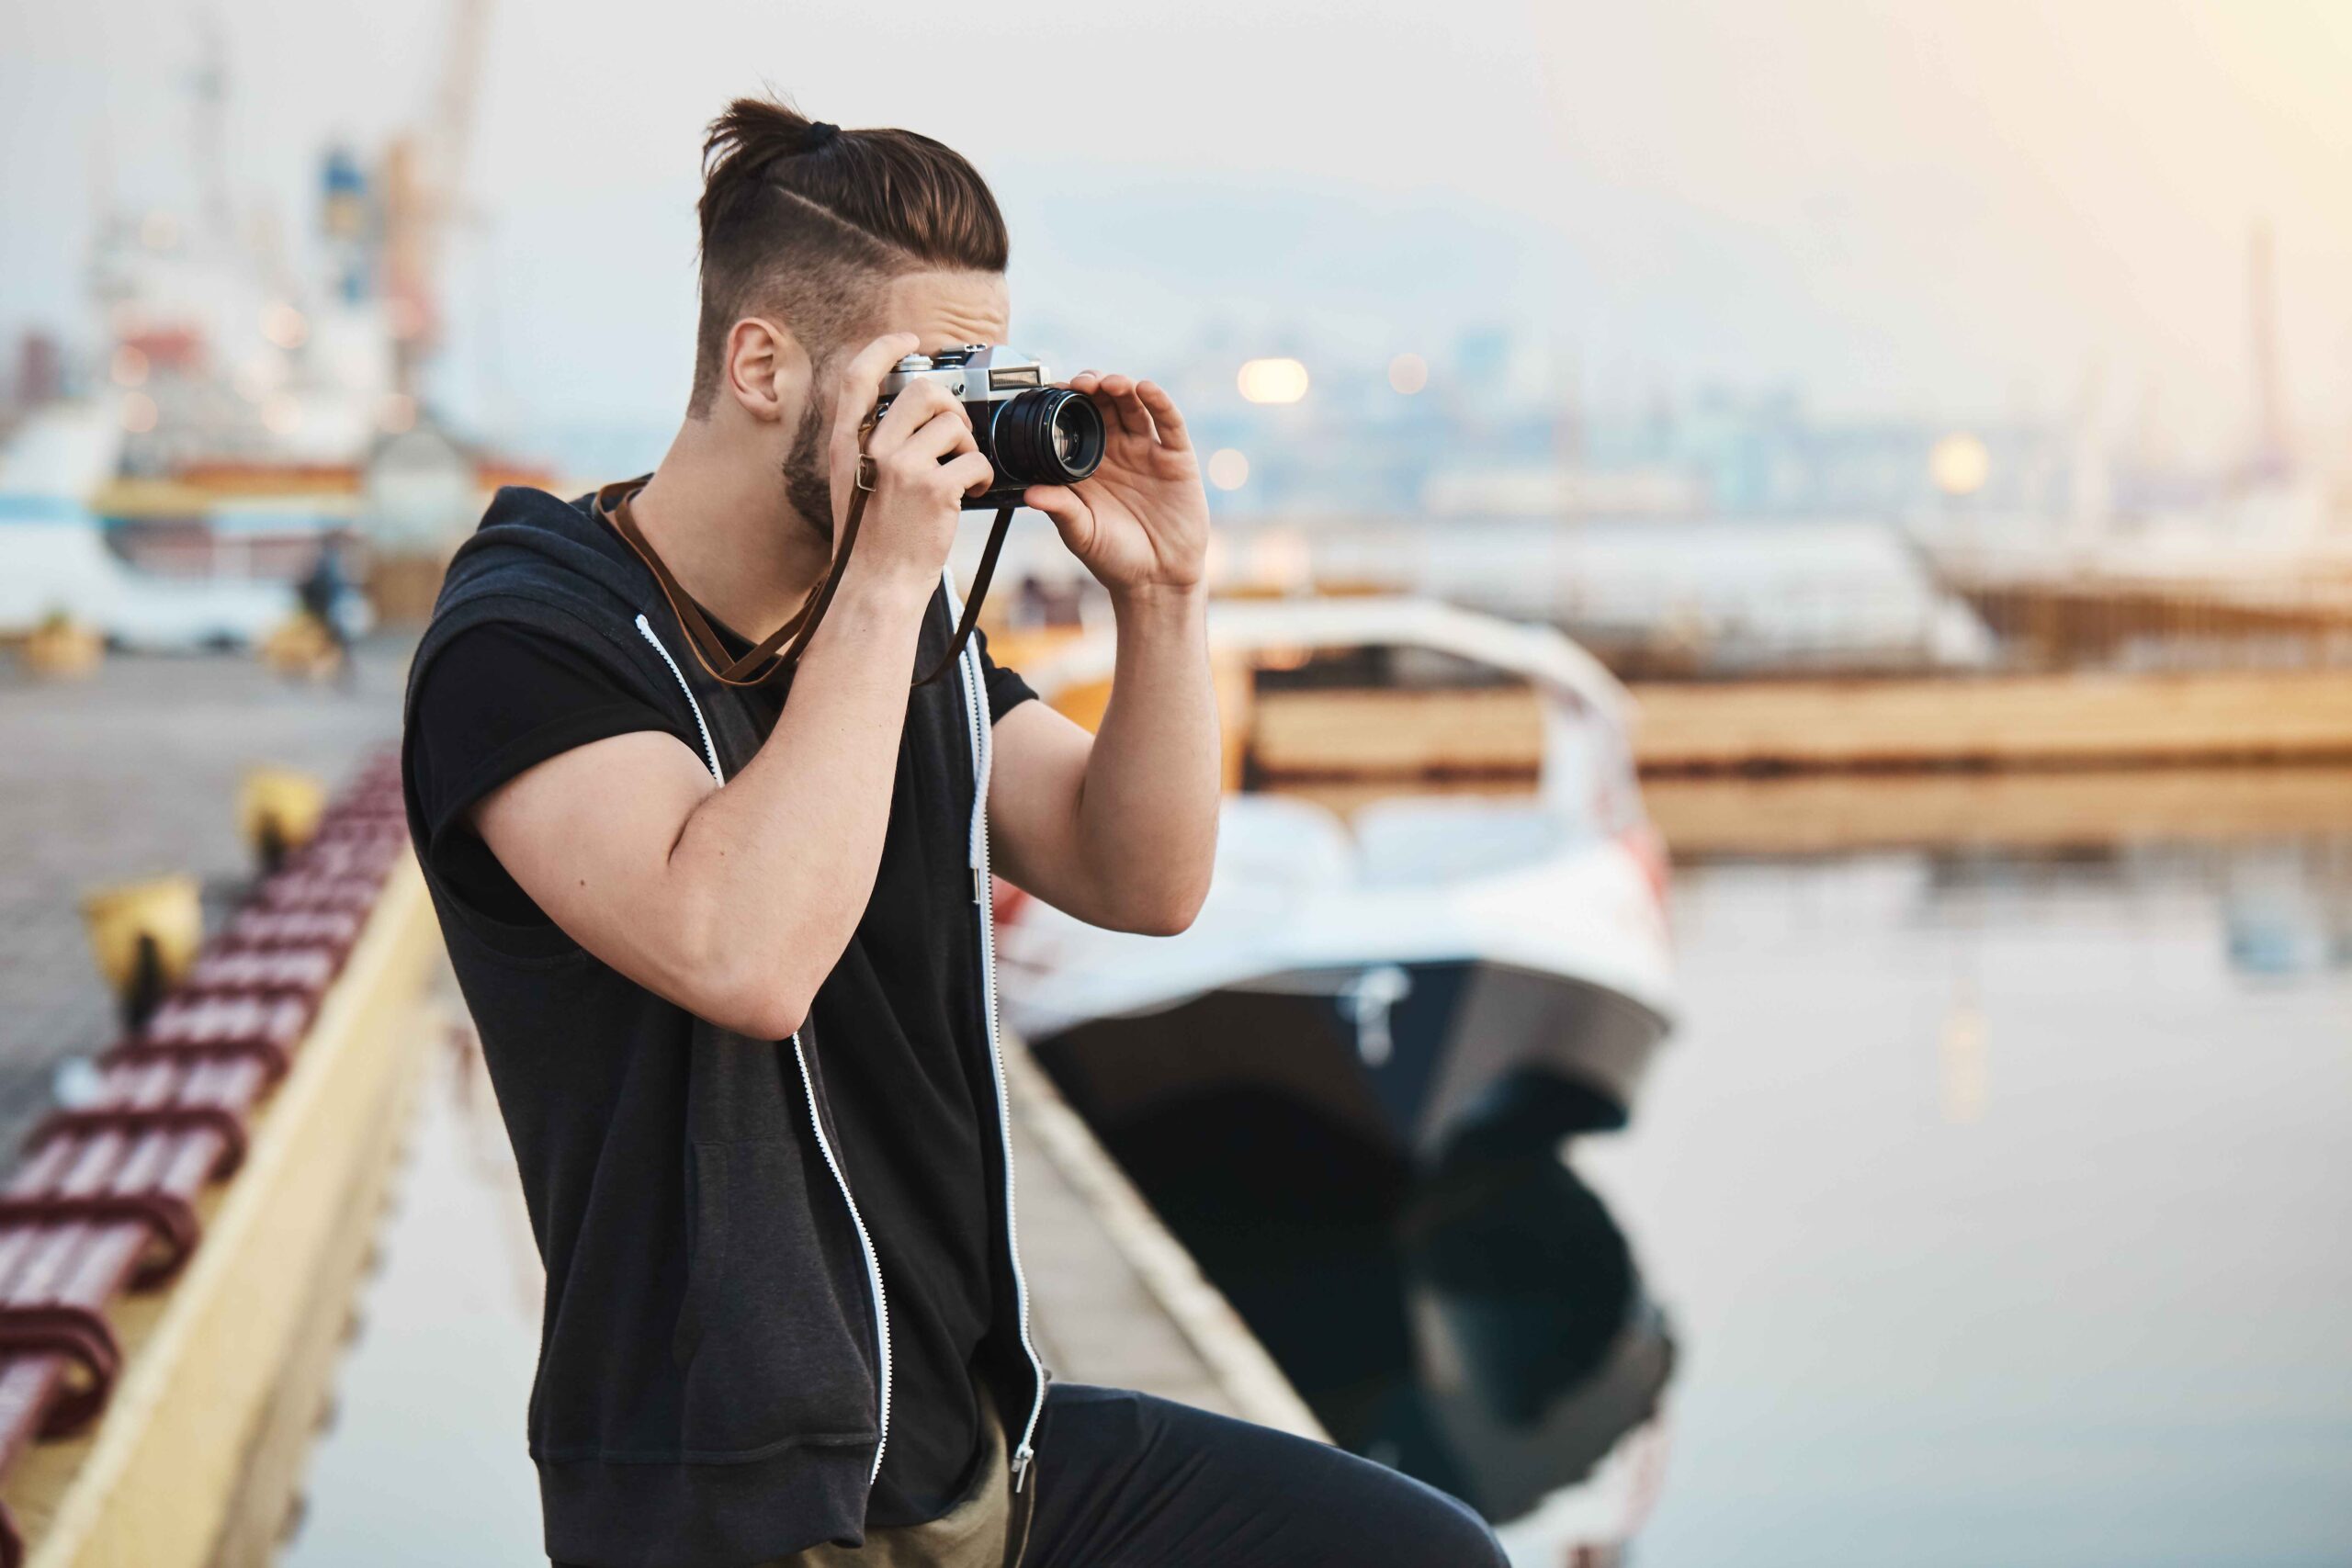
131, 773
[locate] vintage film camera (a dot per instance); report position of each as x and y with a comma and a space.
1030, 433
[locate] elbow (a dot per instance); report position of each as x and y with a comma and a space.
776, 1015
764, 1001
1168, 914
1171, 905
747, 987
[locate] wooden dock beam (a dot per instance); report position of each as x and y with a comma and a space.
2081, 721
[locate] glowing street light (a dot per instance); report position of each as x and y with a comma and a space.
1273, 380
1408, 373
1960, 464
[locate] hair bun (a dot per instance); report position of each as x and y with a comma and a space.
821, 134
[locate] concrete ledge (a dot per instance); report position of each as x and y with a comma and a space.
198, 1454
1116, 1298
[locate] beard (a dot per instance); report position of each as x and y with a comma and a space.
807, 487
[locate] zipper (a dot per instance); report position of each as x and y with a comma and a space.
866, 1245
983, 750
709, 751
816, 1123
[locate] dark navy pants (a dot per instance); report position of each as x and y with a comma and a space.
1127, 1481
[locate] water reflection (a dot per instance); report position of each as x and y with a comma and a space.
2001, 1200
2289, 911
2284, 905
1478, 1322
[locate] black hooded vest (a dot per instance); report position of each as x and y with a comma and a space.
714, 1364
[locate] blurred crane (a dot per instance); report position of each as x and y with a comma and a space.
423, 172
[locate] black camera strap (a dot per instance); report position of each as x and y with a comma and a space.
781, 648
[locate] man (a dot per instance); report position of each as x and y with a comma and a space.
723, 928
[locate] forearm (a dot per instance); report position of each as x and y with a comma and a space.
777, 865
1146, 814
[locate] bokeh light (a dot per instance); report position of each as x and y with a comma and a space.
1229, 469
1273, 381
1960, 464
1408, 373
283, 325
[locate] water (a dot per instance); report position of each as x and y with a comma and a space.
1995, 1209
2002, 1215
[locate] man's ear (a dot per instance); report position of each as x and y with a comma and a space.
767, 370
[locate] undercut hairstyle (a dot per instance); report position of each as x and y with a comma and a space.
806, 222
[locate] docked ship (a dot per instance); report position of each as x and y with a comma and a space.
242, 416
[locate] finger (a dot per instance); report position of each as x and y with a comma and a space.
910, 412
861, 381
1060, 502
1085, 381
941, 435
1163, 414
1118, 397
970, 473
861, 386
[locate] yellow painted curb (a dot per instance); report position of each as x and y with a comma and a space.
160, 1482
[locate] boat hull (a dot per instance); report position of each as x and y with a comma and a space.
1409, 1056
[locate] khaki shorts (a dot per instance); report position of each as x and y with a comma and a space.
984, 1531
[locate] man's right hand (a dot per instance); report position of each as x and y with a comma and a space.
925, 462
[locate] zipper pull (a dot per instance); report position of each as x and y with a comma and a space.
1022, 1457
975, 886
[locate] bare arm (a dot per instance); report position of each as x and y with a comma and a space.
736, 902
1119, 829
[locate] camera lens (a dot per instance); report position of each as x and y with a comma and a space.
1050, 436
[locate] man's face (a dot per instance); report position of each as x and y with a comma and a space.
943, 310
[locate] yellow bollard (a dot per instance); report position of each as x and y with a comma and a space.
279, 811
62, 648
145, 935
301, 647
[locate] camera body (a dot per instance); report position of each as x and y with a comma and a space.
1031, 433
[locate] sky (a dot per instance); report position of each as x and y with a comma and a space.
1968, 212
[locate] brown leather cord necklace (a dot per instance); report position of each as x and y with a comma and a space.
773, 653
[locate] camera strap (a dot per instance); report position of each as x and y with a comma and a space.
781, 648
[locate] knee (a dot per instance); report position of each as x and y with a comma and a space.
1448, 1533
1468, 1542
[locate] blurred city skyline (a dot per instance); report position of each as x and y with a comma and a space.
1968, 216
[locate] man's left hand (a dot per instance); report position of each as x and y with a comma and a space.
1141, 520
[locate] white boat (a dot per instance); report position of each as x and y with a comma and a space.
1408, 963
